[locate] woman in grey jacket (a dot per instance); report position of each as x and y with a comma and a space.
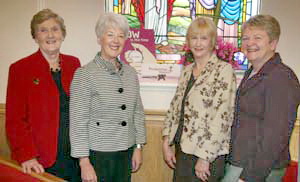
266, 107
107, 126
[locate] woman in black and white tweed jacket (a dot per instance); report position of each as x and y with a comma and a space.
107, 127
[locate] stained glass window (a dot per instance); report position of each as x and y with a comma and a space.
170, 18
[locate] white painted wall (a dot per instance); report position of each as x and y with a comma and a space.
287, 12
80, 17
15, 38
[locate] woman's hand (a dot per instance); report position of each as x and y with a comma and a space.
169, 155
32, 165
240, 180
137, 159
88, 173
202, 169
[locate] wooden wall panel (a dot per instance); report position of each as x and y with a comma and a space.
294, 142
153, 167
4, 148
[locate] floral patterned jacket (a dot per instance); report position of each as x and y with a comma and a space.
208, 113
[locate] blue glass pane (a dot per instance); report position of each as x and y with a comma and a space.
116, 2
230, 9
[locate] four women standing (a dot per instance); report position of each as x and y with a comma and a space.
107, 129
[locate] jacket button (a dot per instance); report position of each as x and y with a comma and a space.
98, 123
121, 90
185, 129
123, 123
123, 107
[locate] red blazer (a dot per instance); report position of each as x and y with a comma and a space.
32, 107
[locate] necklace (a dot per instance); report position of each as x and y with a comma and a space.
54, 66
55, 70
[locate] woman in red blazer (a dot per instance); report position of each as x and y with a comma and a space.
37, 103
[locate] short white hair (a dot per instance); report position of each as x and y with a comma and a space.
111, 20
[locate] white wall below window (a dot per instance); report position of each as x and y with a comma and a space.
157, 96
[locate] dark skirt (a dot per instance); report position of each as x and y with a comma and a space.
66, 168
185, 168
112, 166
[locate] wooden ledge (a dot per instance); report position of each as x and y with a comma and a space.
46, 177
155, 112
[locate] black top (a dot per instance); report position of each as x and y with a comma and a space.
63, 148
65, 166
181, 121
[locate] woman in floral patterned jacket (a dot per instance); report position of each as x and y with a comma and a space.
200, 116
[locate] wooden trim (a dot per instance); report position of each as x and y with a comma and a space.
2, 108
155, 112
46, 177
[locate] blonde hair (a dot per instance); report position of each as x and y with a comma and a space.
111, 20
203, 24
44, 15
267, 23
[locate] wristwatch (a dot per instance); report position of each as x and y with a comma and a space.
139, 146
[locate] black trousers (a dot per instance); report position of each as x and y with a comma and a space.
185, 167
112, 166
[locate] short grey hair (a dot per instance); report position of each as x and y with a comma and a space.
267, 23
111, 20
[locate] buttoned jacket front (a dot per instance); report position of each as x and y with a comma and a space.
106, 110
208, 111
